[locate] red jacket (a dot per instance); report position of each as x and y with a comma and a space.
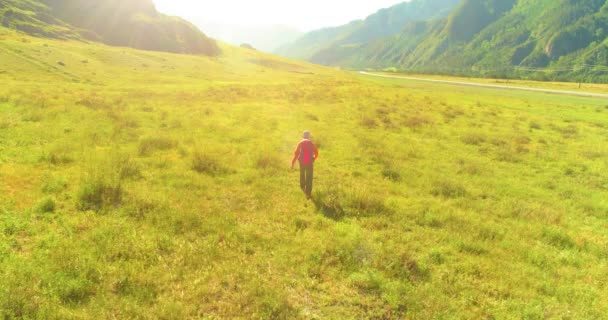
306, 152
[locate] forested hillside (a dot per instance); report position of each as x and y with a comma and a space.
544, 39
132, 23
507, 39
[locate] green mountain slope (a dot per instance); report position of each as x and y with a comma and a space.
132, 23
34, 18
338, 44
500, 38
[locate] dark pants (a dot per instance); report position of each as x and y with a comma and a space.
306, 176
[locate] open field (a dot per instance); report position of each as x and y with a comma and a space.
565, 86
579, 93
150, 185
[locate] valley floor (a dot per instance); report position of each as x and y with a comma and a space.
149, 185
497, 84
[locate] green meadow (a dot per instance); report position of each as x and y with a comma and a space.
140, 185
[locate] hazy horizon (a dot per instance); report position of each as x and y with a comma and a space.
304, 16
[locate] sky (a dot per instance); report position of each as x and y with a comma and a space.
304, 15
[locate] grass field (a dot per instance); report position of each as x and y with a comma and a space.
156, 186
567, 86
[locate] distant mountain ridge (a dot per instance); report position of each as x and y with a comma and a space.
335, 45
132, 23
267, 38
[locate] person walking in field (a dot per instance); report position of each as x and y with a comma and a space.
306, 153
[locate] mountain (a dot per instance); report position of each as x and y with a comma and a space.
131, 23
516, 35
35, 18
334, 45
265, 38
562, 40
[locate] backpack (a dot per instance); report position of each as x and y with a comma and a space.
307, 153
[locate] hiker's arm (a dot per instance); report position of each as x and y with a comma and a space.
296, 154
316, 151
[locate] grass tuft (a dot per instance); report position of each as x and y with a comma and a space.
205, 163
391, 173
337, 202
473, 139
329, 201
449, 189
417, 121
367, 282
98, 194
268, 161
558, 238
46, 205
369, 122
148, 146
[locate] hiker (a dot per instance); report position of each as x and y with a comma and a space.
306, 153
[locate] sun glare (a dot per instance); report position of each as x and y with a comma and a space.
304, 15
